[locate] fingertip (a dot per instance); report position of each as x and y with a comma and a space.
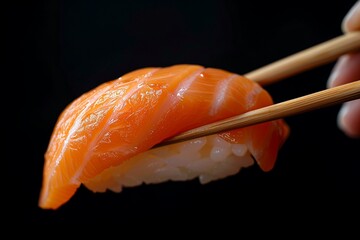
345, 70
351, 21
349, 118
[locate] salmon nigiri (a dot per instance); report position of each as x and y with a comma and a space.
104, 138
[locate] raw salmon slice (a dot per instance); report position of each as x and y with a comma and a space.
102, 136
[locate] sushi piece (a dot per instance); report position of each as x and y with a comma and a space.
104, 139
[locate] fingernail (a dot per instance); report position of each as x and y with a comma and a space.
333, 75
336, 71
342, 115
350, 21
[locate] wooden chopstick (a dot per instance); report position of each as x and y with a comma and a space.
288, 108
299, 62
315, 56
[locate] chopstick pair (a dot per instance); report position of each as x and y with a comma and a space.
310, 58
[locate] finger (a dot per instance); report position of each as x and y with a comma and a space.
351, 21
349, 118
347, 69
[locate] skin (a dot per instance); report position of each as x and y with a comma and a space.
347, 69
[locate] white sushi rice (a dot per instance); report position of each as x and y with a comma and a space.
208, 158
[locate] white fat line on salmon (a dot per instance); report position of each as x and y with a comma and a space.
121, 101
72, 130
220, 94
172, 99
183, 87
186, 84
253, 97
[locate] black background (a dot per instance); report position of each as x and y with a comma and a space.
57, 50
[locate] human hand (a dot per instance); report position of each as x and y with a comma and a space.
347, 69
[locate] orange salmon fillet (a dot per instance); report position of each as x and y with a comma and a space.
129, 115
